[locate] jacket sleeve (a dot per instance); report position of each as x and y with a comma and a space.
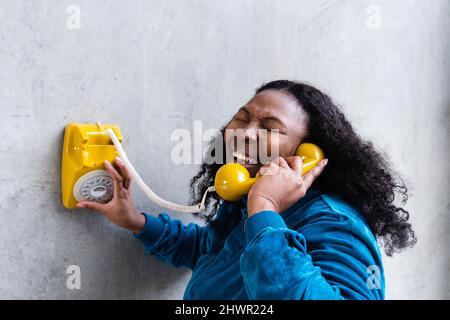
173, 242
339, 263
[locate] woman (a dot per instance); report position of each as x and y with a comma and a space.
292, 237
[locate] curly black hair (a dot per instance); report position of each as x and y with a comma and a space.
356, 171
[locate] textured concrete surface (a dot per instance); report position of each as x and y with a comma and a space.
155, 66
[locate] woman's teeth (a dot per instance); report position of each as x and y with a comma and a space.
244, 158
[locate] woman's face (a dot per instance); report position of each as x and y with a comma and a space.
274, 111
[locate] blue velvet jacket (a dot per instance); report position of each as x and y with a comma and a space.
320, 248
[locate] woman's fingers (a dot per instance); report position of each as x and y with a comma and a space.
125, 173
116, 177
117, 181
295, 163
312, 174
264, 169
281, 162
100, 207
272, 167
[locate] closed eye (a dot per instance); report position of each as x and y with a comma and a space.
240, 119
274, 124
242, 115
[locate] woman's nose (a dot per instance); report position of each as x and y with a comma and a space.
250, 132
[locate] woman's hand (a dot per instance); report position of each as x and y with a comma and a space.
120, 210
281, 185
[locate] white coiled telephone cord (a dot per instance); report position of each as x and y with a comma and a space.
147, 191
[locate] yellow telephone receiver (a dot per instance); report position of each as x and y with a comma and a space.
233, 180
83, 176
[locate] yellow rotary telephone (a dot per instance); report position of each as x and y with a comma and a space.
83, 175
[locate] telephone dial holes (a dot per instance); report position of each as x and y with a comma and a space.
94, 186
98, 191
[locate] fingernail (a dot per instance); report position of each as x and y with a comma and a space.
107, 162
325, 162
80, 205
118, 159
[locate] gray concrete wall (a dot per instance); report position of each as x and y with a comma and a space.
155, 66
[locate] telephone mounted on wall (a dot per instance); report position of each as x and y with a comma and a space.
83, 176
